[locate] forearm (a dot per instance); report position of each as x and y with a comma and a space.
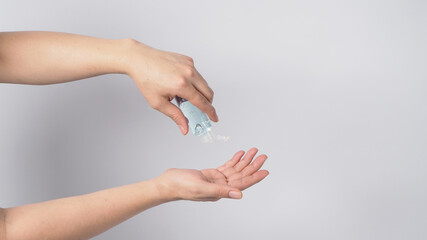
2, 224
81, 217
50, 57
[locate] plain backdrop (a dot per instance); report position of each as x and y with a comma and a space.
334, 92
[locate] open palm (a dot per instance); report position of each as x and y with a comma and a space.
226, 181
238, 172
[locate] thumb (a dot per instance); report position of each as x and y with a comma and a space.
229, 192
235, 194
176, 115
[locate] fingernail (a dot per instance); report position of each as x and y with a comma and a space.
182, 129
216, 116
235, 195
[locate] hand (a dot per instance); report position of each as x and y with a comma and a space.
161, 76
226, 181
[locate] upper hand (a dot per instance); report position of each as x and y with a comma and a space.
226, 181
161, 76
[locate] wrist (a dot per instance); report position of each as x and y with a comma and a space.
130, 55
164, 191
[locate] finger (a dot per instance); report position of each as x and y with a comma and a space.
232, 162
254, 166
248, 181
224, 191
175, 114
198, 100
230, 173
202, 86
246, 159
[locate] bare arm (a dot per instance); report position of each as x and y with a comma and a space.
2, 224
81, 217
85, 216
50, 57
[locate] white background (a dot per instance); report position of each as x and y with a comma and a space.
334, 92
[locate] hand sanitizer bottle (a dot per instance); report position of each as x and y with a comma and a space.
198, 121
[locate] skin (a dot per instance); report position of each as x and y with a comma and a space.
47, 58
50, 57
85, 216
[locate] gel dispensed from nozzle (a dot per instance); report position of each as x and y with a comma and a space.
198, 121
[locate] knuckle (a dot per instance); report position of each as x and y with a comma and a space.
156, 104
190, 59
181, 82
211, 93
189, 71
202, 99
